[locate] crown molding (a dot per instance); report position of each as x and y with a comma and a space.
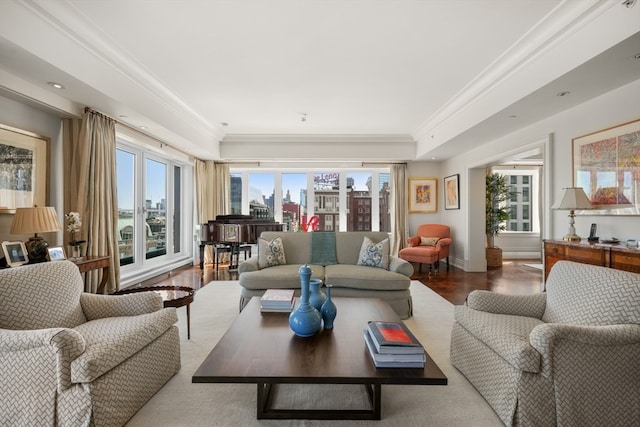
319, 138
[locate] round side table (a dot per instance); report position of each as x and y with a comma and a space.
172, 296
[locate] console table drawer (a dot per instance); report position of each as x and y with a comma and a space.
627, 261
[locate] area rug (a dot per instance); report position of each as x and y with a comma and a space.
181, 403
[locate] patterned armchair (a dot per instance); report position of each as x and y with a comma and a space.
75, 359
569, 356
429, 245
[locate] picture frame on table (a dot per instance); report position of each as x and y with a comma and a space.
56, 253
423, 195
24, 161
15, 253
452, 192
606, 167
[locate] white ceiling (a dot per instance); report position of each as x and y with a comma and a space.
406, 79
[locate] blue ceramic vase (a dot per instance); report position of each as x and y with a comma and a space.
328, 310
305, 320
316, 296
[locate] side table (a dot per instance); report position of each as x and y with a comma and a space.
95, 262
172, 296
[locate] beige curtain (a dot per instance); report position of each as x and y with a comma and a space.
212, 194
399, 214
93, 168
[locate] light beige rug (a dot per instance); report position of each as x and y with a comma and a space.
181, 403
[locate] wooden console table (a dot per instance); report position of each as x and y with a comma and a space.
616, 256
95, 262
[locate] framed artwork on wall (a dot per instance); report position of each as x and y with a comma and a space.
606, 164
452, 192
423, 195
24, 159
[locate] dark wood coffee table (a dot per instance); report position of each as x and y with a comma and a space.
260, 348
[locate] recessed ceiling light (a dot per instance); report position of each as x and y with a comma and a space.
637, 56
563, 93
56, 85
433, 158
143, 127
513, 116
225, 124
122, 116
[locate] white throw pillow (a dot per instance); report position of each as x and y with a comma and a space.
374, 254
270, 253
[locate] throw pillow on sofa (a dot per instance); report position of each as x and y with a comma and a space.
270, 253
374, 254
429, 241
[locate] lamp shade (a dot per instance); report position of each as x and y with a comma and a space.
573, 198
35, 220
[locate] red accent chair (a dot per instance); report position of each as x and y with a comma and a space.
428, 246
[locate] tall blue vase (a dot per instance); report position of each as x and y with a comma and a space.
328, 310
305, 320
316, 296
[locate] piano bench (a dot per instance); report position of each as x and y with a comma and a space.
221, 249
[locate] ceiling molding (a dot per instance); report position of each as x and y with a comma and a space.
566, 18
317, 138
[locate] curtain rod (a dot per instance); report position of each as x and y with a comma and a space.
162, 143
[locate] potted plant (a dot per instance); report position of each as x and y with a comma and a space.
497, 192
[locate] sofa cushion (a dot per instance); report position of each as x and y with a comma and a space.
507, 335
429, 241
271, 253
112, 340
278, 277
364, 277
374, 254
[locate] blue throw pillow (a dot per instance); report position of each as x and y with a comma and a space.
374, 254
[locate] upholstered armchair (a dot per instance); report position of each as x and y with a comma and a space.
569, 356
429, 245
75, 359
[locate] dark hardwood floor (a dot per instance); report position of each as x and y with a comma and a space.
514, 277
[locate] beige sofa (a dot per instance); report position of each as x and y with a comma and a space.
75, 359
348, 278
569, 356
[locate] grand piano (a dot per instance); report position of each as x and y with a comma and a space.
234, 231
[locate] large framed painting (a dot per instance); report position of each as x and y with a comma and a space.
606, 164
423, 195
24, 159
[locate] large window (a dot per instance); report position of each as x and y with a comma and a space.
344, 200
151, 188
523, 203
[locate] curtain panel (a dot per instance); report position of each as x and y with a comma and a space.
90, 183
399, 213
213, 194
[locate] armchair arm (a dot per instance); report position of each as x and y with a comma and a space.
413, 241
605, 343
101, 306
445, 241
25, 348
517, 305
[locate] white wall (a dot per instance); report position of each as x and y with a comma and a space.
31, 119
616, 107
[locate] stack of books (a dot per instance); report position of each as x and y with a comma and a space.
277, 300
392, 345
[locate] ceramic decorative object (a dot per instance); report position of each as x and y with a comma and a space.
328, 310
305, 320
316, 296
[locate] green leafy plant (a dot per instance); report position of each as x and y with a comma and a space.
498, 191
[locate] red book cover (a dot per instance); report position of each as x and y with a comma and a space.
392, 334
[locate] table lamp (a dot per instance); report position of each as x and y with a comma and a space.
35, 220
573, 198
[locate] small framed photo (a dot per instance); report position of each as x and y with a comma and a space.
56, 254
15, 253
423, 195
452, 192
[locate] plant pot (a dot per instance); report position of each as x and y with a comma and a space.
494, 257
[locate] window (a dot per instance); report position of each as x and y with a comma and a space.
151, 201
341, 200
523, 202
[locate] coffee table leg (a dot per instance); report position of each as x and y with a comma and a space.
188, 321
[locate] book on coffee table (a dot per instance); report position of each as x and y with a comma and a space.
277, 300
389, 360
394, 338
